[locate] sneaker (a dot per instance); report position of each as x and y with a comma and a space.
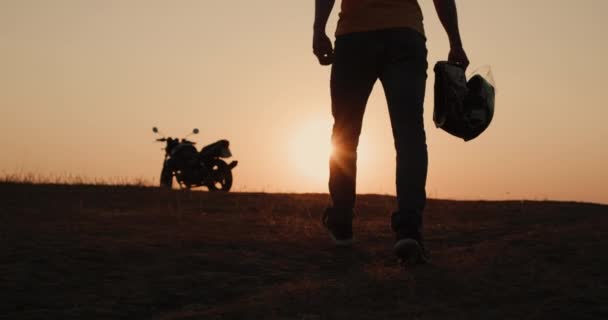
408, 245
410, 251
339, 224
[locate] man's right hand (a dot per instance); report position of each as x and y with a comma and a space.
322, 48
458, 56
446, 10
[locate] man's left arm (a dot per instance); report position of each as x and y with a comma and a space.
321, 44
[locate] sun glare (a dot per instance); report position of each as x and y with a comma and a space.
310, 150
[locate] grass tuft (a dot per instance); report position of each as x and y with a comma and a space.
74, 180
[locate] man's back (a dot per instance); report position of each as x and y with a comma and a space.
367, 15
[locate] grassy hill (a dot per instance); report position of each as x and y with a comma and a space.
103, 252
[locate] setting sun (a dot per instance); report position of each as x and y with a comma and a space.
310, 148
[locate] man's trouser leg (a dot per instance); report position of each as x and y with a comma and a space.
403, 76
353, 75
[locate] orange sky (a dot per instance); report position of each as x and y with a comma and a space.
83, 81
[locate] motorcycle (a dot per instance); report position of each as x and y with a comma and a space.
192, 168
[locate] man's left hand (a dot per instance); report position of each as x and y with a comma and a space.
322, 48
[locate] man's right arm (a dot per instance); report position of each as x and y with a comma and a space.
446, 10
321, 44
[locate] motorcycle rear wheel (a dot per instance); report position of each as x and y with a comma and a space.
220, 176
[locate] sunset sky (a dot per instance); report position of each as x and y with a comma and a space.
82, 82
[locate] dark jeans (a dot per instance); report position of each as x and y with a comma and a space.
398, 58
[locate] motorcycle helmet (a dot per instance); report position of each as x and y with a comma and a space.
463, 109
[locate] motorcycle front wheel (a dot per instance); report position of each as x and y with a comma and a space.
220, 176
166, 178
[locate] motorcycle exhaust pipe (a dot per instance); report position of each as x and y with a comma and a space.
233, 164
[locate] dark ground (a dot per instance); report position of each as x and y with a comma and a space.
99, 252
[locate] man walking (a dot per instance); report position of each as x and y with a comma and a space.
381, 39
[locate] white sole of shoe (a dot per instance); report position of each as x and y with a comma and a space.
340, 243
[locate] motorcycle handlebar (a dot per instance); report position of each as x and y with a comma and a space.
182, 141
188, 141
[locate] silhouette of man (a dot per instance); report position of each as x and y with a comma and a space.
381, 39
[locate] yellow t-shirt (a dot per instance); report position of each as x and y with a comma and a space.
367, 15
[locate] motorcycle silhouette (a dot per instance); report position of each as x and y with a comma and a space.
192, 168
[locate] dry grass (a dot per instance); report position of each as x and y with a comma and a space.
108, 252
69, 179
